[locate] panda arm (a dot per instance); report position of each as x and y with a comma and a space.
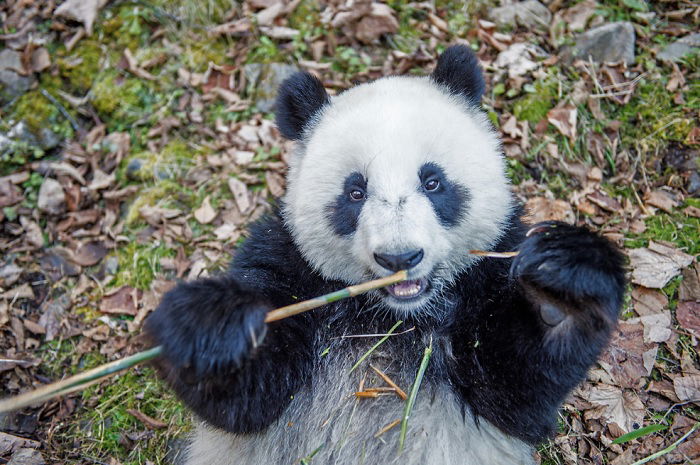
539, 332
232, 369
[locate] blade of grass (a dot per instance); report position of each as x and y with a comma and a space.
414, 393
639, 433
374, 347
83, 380
670, 448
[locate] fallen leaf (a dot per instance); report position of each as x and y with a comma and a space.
657, 327
381, 20
121, 302
604, 201
89, 254
688, 316
52, 313
687, 388
240, 194
10, 443
83, 11
21, 292
690, 286
578, 15
564, 119
661, 199
621, 407
543, 209
656, 265
205, 214
648, 301
623, 359
41, 60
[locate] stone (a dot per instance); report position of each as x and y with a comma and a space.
21, 132
680, 48
5, 143
609, 43
52, 198
529, 14
12, 84
48, 139
265, 79
693, 185
26, 456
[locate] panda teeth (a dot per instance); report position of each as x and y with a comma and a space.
406, 289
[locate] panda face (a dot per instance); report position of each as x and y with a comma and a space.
397, 174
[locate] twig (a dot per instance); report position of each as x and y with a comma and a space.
387, 428
390, 382
414, 393
670, 448
63, 111
82, 380
485, 253
374, 347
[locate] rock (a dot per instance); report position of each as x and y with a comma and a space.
693, 185
48, 139
609, 43
5, 143
26, 456
21, 132
52, 199
12, 83
529, 13
680, 48
265, 78
519, 58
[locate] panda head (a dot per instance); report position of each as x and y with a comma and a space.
399, 173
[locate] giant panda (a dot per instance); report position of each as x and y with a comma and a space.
403, 173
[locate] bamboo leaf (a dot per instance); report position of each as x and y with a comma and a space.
639, 433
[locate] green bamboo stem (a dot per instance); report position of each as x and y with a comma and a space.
83, 380
414, 393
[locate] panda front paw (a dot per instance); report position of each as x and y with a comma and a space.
207, 328
569, 271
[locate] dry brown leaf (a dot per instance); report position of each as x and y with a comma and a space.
578, 15
122, 302
83, 11
543, 209
657, 327
564, 119
690, 286
89, 254
661, 199
10, 443
41, 60
656, 265
149, 422
648, 301
604, 201
20, 292
687, 388
624, 359
205, 214
380, 20
240, 194
688, 316
621, 407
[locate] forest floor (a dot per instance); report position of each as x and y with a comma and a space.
137, 142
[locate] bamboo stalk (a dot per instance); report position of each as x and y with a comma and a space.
83, 380
414, 393
485, 253
390, 382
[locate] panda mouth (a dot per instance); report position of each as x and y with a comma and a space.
407, 290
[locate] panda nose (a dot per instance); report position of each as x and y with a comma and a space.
399, 262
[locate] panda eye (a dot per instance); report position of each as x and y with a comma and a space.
356, 195
432, 185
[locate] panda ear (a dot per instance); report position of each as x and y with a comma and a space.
300, 97
458, 69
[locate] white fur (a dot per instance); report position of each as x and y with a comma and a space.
387, 130
327, 414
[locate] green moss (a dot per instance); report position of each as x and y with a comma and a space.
168, 194
199, 51
36, 110
82, 65
534, 107
140, 263
169, 163
682, 230
121, 100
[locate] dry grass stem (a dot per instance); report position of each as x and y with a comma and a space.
485, 253
387, 428
390, 382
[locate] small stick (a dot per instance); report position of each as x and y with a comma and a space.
484, 253
82, 380
670, 448
367, 394
62, 109
380, 389
390, 382
374, 347
414, 393
387, 428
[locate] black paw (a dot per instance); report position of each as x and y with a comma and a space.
567, 269
207, 328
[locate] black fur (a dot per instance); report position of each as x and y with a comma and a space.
458, 69
344, 212
449, 200
508, 365
299, 99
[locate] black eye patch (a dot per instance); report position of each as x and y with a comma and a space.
449, 199
345, 211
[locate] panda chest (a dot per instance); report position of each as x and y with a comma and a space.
350, 413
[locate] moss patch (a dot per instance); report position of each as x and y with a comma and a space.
80, 66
